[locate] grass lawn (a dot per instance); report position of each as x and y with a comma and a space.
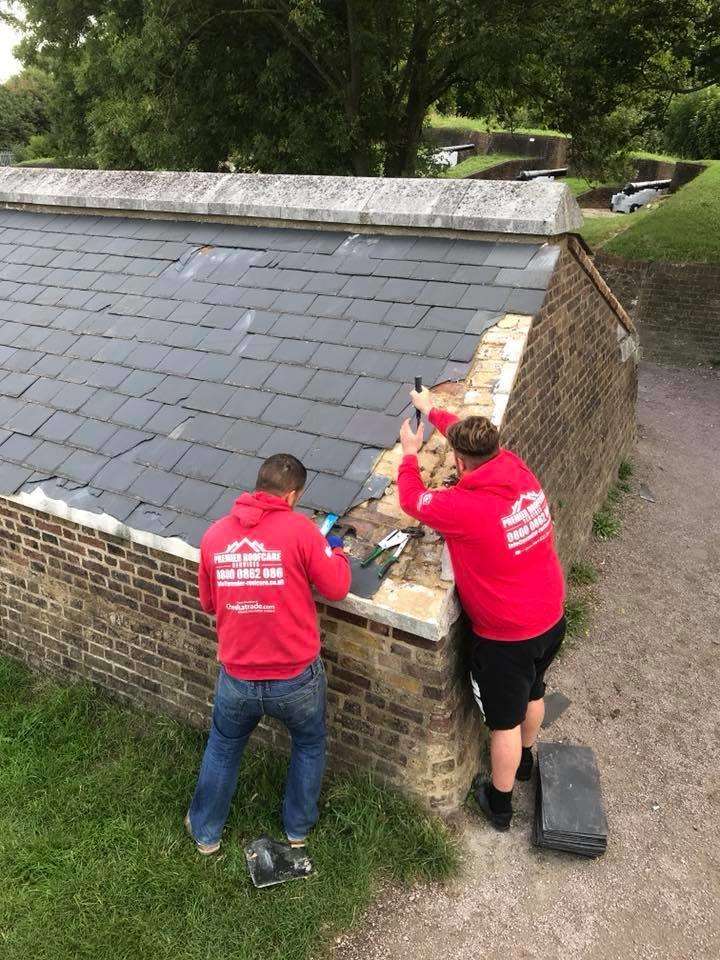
442, 122
596, 230
476, 164
94, 863
684, 227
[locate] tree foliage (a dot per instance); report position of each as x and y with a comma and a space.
344, 86
693, 125
24, 107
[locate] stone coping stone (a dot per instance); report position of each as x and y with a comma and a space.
536, 208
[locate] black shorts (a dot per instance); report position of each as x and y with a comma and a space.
505, 675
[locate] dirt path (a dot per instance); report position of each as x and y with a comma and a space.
644, 688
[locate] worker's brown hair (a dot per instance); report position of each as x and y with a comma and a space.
474, 438
280, 474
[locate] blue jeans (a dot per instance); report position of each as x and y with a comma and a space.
238, 708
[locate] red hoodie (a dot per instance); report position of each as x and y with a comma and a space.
257, 569
497, 526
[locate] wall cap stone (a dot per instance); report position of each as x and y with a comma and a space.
536, 208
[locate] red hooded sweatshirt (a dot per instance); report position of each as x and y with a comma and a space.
257, 569
497, 526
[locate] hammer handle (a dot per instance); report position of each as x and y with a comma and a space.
418, 388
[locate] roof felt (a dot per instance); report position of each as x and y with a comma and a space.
148, 366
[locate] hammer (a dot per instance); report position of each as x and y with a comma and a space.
418, 388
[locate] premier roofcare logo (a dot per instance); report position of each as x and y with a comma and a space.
528, 522
245, 563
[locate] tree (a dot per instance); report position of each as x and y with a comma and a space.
345, 85
24, 107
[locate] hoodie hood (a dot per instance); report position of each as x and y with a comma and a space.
504, 476
250, 508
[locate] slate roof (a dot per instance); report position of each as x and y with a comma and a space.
148, 366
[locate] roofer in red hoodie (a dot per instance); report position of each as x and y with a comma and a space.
499, 535
258, 566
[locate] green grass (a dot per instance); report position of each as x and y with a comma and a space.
596, 230
455, 122
685, 227
605, 525
39, 162
476, 164
94, 863
582, 574
576, 617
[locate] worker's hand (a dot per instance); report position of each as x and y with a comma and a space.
410, 439
422, 400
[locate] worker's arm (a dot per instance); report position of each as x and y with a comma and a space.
440, 419
207, 601
436, 508
328, 569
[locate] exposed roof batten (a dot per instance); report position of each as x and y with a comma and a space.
537, 208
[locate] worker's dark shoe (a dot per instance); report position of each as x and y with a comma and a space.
524, 771
480, 789
206, 849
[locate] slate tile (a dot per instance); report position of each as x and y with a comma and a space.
153, 519
85, 347
454, 371
464, 349
123, 441
49, 366
362, 464
210, 397
12, 477
363, 287
404, 315
324, 283
481, 321
469, 251
93, 434
328, 386
370, 393
168, 420
438, 294
161, 452
119, 475
224, 318
377, 363
332, 357
429, 368
408, 340
327, 419
140, 383
431, 270
448, 319
370, 311
294, 351
59, 427
29, 418
189, 312
258, 346
194, 290
292, 325
178, 362
246, 403
225, 342
285, 411
293, 302
146, 356
368, 335
71, 396
331, 494
196, 496
48, 456
18, 447
288, 379
136, 412
172, 390
185, 336
105, 375
22, 360
324, 241
391, 248
154, 486
200, 462
116, 505
29, 339
60, 343
330, 330
401, 291
287, 441
330, 455
367, 427
82, 466
250, 373
327, 306
238, 471
246, 437
102, 405
395, 268
473, 274
527, 278
519, 301
214, 367
206, 428
485, 298
511, 254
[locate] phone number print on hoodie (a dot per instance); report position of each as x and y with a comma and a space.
246, 563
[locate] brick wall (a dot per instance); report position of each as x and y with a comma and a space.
676, 307
81, 603
571, 415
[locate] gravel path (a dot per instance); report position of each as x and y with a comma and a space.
644, 690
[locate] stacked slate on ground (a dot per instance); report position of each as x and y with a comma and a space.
147, 367
569, 812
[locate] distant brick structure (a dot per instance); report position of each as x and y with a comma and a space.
676, 307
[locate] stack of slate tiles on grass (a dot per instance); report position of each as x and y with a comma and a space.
569, 814
148, 366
